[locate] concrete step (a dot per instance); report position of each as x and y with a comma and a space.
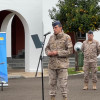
16, 63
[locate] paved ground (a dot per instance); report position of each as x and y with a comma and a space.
30, 89
17, 73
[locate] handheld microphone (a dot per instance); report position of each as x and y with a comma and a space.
47, 33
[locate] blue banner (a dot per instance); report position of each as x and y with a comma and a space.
3, 58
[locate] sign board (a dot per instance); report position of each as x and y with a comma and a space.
3, 58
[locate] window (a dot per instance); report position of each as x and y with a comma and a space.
81, 35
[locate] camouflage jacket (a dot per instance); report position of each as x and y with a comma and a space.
91, 50
63, 44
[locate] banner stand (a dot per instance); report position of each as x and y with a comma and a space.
3, 61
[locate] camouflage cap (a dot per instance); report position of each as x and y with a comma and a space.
90, 32
56, 23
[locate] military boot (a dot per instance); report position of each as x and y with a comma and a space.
65, 98
53, 97
85, 86
94, 86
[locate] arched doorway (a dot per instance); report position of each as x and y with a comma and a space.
19, 28
18, 38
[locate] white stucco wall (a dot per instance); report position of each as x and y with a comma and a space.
47, 22
8, 40
97, 37
30, 13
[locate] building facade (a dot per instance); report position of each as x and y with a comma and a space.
21, 19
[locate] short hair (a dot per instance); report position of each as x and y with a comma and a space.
56, 23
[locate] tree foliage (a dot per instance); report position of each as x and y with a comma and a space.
77, 15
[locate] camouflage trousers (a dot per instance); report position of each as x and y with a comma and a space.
60, 75
90, 66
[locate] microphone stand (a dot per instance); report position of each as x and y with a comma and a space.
40, 59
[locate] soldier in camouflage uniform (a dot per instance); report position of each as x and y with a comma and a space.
91, 49
58, 49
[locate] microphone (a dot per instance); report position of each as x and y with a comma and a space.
47, 33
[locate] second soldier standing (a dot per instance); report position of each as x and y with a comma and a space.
91, 49
58, 49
